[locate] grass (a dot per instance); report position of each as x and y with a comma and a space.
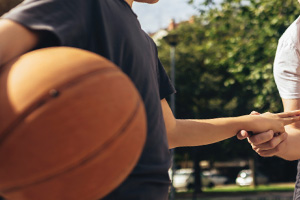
279, 187
260, 188
261, 192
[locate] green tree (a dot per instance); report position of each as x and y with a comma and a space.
224, 65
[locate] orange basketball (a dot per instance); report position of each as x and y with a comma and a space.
72, 126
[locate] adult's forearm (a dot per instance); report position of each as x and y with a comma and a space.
289, 148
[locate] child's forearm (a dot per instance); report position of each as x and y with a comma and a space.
207, 131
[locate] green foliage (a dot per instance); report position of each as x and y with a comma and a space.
224, 62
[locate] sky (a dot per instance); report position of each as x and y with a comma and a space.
156, 16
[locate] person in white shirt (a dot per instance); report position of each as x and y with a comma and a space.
287, 77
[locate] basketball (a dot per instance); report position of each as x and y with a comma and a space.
72, 126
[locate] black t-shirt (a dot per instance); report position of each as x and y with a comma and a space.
111, 29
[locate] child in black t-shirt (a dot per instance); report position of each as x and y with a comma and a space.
110, 28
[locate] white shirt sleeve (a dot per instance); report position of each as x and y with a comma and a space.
287, 62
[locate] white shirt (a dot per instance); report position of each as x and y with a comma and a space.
287, 62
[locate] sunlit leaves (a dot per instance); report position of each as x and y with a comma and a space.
224, 60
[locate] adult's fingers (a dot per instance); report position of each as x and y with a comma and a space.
289, 120
271, 152
272, 144
261, 138
288, 114
242, 135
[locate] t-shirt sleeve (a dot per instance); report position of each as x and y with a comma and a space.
165, 86
63, 19
287, 63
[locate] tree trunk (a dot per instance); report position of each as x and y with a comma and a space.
253, 169
197, 173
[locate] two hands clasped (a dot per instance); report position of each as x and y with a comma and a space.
272, 142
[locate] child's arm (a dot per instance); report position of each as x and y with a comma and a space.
207, 131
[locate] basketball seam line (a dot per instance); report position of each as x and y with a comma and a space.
41, 103
43, 99
82, 162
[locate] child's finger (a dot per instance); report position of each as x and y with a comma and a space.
254, 113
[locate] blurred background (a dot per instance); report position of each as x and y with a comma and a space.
223, 67
222, 54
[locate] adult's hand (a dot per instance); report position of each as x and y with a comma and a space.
266, 144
